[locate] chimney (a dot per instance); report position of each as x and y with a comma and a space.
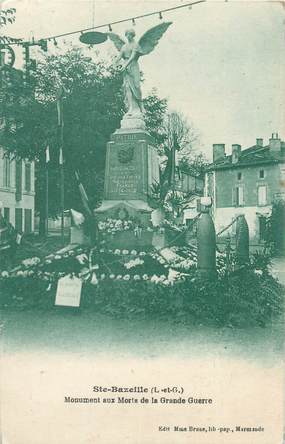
236, 150
259, 142
275, 143
218, 151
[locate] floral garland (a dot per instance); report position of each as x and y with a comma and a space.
88, 272
113, 226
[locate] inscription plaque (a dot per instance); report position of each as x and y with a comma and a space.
124, 180
126, 172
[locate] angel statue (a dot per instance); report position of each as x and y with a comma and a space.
130, 52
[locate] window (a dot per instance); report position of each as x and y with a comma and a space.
239, 196
262, 195
262, 228
6, 173
239, 176
7, 214
261, 174
27, 176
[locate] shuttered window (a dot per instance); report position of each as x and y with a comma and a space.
262, 195
238, 197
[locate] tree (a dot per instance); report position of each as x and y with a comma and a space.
178, 137
196, 162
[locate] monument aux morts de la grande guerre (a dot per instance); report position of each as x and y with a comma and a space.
131, 162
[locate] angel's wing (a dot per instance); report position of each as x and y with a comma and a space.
150, 38
116, 39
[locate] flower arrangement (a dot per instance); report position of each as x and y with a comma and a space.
113, 226
50, 267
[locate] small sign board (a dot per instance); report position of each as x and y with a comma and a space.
68, 291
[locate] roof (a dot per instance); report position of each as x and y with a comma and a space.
252, 156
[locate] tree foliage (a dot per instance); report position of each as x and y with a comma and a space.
195, 162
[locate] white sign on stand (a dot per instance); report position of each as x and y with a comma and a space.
68, 291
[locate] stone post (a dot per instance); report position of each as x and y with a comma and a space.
242, 241
206, 238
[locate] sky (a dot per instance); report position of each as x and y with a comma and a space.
220, 63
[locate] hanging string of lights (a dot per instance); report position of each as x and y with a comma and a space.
109, 25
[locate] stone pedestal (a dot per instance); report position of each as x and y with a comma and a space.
133, 122
131, 168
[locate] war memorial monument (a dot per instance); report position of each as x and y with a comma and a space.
132, 162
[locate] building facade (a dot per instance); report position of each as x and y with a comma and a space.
246, 182
17, 192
